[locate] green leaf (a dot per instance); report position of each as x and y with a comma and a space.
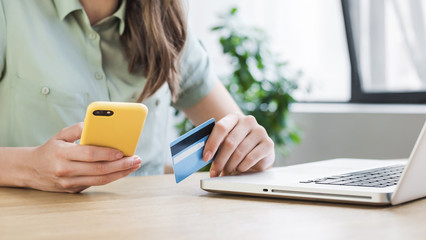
217, 28
257, 76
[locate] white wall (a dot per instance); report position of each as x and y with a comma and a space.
318, 48
355, 130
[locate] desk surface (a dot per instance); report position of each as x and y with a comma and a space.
156, 207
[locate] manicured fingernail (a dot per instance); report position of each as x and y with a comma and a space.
119, 155
213, 173
207, 156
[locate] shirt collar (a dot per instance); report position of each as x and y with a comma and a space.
65, 7
120, 14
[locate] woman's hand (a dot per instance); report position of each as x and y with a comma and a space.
60, 165
241, 144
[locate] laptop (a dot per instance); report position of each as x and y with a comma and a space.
361, 181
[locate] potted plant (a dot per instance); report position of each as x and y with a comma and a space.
259, 82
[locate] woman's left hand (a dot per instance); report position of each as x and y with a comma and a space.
241, 144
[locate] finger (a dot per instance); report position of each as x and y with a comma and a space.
248, 144
72, 183
227, 148
263, 164
70, 134
77, 189
88, 153
97, 168
220, 131
261, 151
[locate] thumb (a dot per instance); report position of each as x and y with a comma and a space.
70, 134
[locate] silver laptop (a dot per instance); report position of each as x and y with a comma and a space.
364, 181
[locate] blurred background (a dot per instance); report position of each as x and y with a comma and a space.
309, 34
359, 65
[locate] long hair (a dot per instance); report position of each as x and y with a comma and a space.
153, 39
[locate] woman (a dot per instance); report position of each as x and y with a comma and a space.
58, 56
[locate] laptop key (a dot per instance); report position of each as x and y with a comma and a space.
307, 181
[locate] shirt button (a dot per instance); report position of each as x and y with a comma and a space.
135, 96
45, 90
92, 36
157, 102
99, 76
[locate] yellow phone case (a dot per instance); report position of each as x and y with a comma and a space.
114, 124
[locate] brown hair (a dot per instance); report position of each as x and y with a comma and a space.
153, 39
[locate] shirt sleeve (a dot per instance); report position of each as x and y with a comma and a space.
197, 75
2, 39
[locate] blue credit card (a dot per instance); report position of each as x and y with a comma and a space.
187, 150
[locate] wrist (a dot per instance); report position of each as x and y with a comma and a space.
16, 168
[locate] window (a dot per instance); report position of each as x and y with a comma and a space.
309, 34
387, 41
347, 50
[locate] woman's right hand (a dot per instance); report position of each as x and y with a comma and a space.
60, 165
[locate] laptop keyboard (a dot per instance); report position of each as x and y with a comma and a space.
377, 177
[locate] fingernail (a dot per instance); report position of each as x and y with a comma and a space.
119, 155
207, 156
213, 173
136, 160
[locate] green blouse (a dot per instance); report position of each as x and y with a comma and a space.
53, 63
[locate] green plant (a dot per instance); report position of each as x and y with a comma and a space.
260, 83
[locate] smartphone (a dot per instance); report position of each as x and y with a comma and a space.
115, 125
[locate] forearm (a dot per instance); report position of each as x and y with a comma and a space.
13, 166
